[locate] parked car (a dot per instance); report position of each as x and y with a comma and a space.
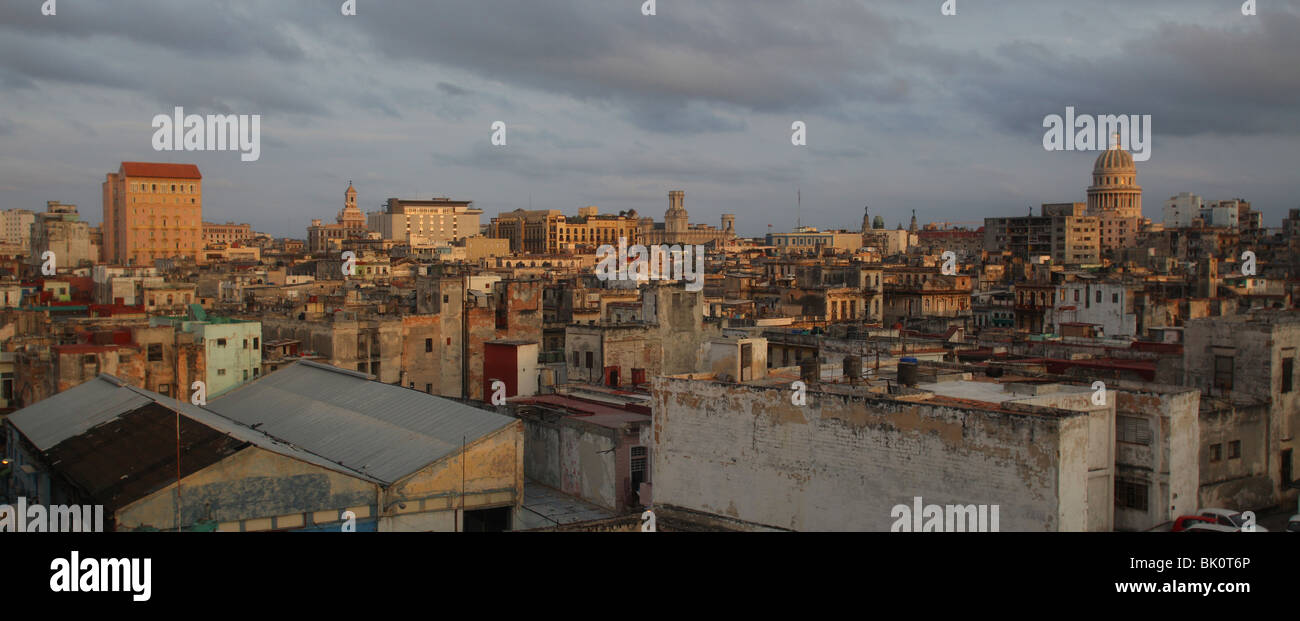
1293, 524
1228, 517
1207, 527
1183, 522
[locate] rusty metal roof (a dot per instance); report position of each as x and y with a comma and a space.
117, 443
102, 400
384, 431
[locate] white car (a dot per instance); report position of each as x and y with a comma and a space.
1293, 524
1228, 517
1206, 527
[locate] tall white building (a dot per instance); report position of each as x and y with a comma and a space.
1182, 209
426, 222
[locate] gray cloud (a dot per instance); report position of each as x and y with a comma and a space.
906, 108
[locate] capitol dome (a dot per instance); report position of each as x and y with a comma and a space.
1114, 161
1115, 193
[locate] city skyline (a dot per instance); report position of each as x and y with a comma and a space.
905, 109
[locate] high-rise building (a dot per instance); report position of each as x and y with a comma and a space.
1062, 232
152, 211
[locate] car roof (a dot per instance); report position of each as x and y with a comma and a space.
1214, 528
1218, 511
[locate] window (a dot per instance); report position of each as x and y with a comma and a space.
257, 343
428, 345
1234, 449
575, 359
1133, 430
428, 388
1288, 373
1130, 495
155, 352
590, 358
1099, 296
221, 342
221, 372
638, 467
1216, 452
245, 375
1223, 372
1114, 298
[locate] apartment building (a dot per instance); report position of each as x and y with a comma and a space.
433, 222
152, 211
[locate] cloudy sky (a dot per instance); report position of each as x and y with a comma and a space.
905, 108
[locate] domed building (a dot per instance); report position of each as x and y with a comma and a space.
1115, 197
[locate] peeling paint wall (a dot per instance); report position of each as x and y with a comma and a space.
842, 462
489, 474
1088, 452
251, 484
1257, 348
571, 456
1234, 483
367, 345
1167, 464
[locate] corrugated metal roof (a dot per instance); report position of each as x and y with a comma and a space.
75, 411
382, 430
104, 399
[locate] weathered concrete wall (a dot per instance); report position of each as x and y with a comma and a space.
1168, 464
842, 462
1258, 345
628, 349
684, 337
1092, 445
572, 456
1235, 483
366, 345
490, 473
422, 368
253, 484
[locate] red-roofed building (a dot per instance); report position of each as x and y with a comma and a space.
152, 211
161, 170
